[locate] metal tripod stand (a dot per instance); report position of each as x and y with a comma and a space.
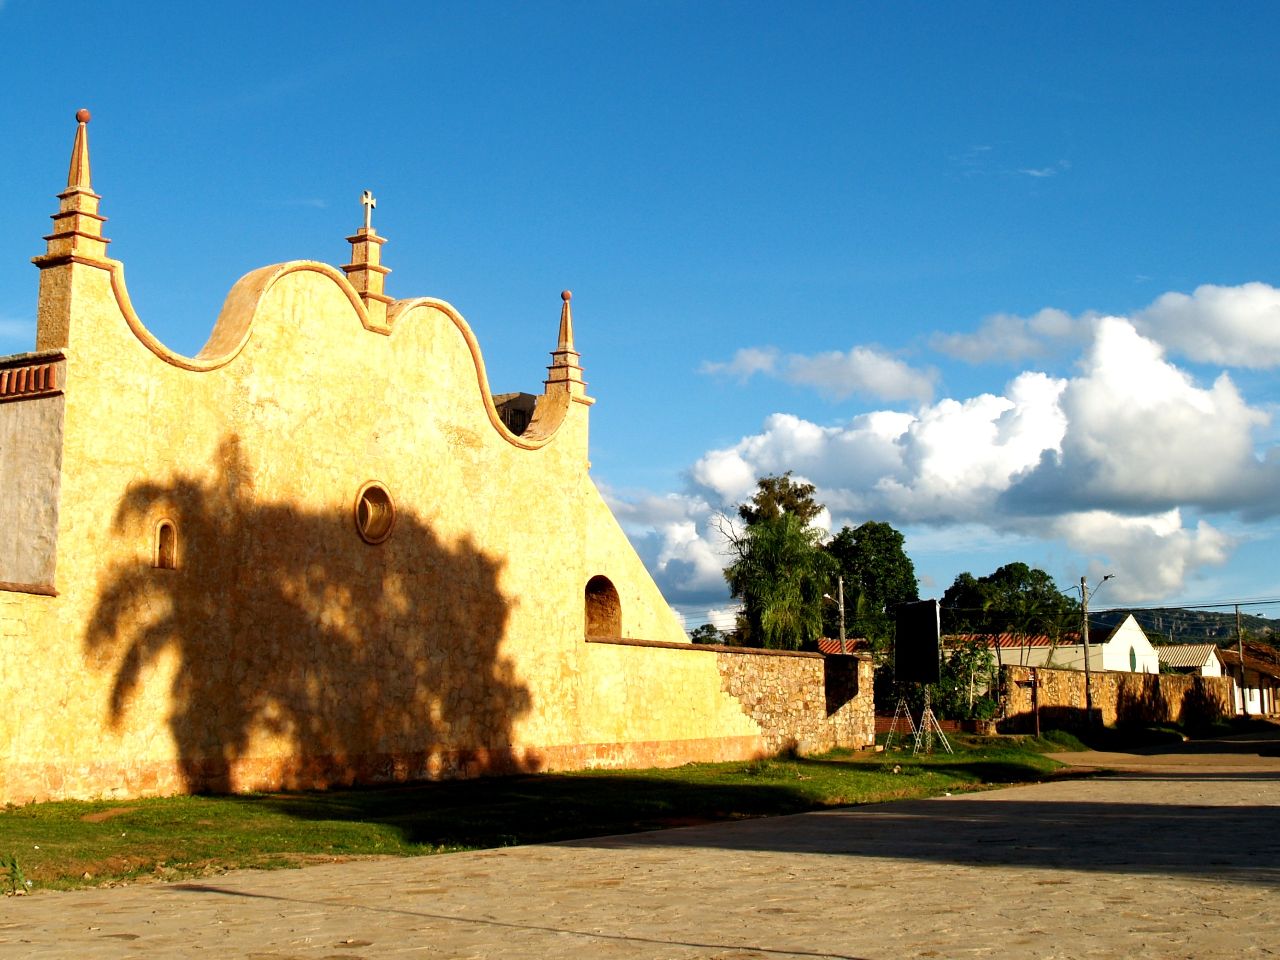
929, 726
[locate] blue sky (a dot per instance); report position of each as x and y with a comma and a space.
1000, 274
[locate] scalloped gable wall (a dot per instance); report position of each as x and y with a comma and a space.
284, 650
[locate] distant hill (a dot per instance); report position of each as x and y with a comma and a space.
1179, 625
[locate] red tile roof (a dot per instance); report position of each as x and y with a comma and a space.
852, 645
1012, 640
1231, 657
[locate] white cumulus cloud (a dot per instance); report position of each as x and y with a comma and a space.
678, 537
1119, 463
1155, 554
1143, 436
746, 363
863, 371
1125, 467
959, 455
1011, 338
1228, 326
1232, 326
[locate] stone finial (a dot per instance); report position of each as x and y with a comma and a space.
77, 226
565, 372
365, 271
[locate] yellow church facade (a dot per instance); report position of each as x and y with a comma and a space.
320, 551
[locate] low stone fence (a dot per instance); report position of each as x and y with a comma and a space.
1145, 698
810, 702
802, 701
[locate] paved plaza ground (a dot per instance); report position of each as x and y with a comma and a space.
1178, 855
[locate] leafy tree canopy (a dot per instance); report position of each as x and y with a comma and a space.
1015, 598
878, 575
778, 495
706, 633
874, 563
779, 573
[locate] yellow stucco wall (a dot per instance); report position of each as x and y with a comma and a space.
283, 649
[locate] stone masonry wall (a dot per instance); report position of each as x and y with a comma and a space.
1117, 698
784, 700
804, 702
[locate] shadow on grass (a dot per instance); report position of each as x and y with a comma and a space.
506, 811
1238, 736
985, 772
551, 807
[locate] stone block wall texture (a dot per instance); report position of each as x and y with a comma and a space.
806, 703
282, 650
791, 701
1144, 698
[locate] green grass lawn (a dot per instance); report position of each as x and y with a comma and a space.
70, 844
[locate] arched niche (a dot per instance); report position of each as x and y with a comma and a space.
604, 609
166, 550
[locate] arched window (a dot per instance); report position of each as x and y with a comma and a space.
604, 609
166, 557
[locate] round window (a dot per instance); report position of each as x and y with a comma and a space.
375, 512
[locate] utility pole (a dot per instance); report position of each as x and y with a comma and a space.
838, 599
840, 585
1244, 700
1084, 636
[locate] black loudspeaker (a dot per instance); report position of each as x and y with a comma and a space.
917, 652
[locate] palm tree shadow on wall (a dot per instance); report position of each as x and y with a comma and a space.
306, 657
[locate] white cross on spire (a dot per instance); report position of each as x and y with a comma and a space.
368, 202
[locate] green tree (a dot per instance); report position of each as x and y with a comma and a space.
1015, 598
779, 573
775, 496
706, 633
878, 575
967, 680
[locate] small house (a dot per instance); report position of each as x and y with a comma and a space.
1123, 649
1199, 659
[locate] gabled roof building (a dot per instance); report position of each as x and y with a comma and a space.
1201, 659
1124, 648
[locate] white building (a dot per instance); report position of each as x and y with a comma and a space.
1124, 649
1257, 681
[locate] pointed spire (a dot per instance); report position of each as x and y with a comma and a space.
75, 251
565, 371
565, 343
78, 174
77, 226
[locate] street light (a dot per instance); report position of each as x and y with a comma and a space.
840, 603
1084, 635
